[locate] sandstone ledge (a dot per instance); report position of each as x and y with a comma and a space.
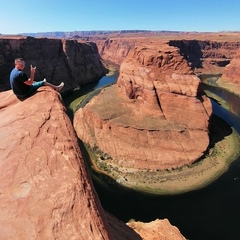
46, 192
156, 230
45, 189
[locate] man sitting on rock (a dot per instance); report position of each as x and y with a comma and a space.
23, 86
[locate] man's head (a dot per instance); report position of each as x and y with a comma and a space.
19, 63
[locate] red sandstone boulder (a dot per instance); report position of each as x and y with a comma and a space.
156, 230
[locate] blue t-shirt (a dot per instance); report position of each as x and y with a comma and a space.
17, 79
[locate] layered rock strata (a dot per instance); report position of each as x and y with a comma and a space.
57, 60
156, 117
207, 57
115, 49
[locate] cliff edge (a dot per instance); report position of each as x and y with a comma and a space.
46, 192
45, 189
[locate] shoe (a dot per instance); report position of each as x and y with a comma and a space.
59, 87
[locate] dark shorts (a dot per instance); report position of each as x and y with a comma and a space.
32, 89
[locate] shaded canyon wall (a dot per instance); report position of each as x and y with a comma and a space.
57, 60
231, 75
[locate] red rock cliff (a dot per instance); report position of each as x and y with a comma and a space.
57, 60
204, 56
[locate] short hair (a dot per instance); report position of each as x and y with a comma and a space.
17, 60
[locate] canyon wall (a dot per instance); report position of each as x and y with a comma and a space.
204, 56
207, 57
115, 49
57, 60
46, 192
45, 189
231, 75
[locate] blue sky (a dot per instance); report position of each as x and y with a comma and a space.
31, 16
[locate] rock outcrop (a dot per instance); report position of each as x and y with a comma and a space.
57, 60
158, 120
46, 192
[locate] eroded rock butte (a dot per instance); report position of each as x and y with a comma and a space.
156, 117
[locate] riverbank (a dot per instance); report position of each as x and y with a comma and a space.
224, 149
217, 81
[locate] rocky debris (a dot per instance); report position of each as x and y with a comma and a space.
158, 116
57, 60
156, 230
206, 57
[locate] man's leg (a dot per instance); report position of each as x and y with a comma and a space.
56, 87
34, 88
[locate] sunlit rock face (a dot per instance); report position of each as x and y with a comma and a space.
156, 116
45, 189
46, 192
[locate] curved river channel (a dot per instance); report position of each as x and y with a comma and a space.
211, 213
